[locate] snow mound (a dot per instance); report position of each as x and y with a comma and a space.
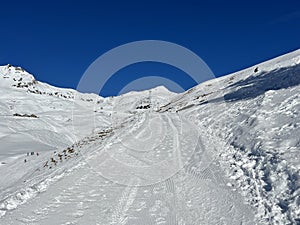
224, 152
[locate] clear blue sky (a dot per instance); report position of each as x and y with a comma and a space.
58, 40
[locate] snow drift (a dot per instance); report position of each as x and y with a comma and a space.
223, 152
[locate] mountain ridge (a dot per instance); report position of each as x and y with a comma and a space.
234, 138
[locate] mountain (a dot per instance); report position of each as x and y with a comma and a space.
224, 152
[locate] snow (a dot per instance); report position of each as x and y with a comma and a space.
223, 152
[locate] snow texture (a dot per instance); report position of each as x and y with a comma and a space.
224, 152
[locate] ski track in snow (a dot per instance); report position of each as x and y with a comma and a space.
85, 197
224, 152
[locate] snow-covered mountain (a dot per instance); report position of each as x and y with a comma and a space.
223, 152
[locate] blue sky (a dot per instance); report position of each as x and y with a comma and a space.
58, 40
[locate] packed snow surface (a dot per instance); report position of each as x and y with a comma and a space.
224, 152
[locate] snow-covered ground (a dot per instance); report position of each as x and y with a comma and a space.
223, 152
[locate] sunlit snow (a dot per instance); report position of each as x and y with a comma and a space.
223, 152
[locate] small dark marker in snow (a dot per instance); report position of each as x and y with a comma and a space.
256, 70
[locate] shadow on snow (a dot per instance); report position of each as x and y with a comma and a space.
257, 85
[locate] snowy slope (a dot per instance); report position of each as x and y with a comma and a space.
253, 118
224, 152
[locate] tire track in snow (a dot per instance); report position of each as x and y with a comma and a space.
120, 216
176, 143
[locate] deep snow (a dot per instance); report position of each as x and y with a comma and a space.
223, 152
